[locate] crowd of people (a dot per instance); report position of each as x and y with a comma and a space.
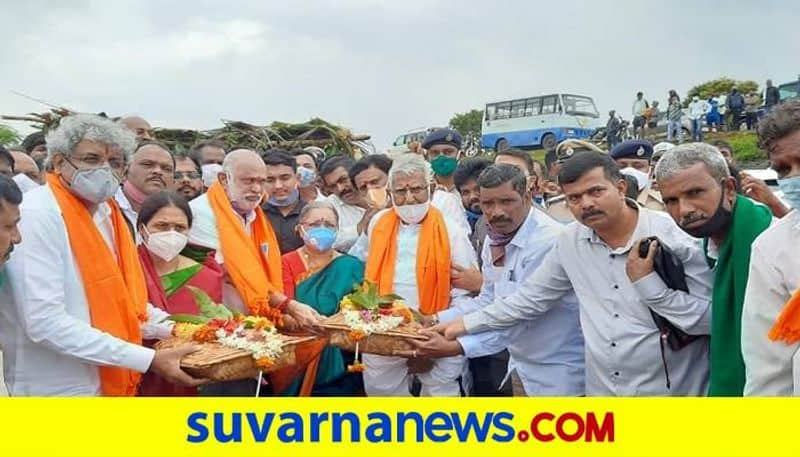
702, 114
645, 270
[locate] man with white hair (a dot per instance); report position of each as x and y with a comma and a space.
403, 243
75, 302
229, 220
700, 195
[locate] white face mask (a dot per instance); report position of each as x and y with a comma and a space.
413, 214
642, 179
25, 183
94, 185
166, 245
210, 172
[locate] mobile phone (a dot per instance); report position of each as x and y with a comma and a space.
644, 246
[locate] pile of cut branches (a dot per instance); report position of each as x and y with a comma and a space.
316, 132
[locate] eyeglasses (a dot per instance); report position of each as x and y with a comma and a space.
319, 223
418, 192
95, 162
187, 175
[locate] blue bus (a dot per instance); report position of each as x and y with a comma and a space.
538, 122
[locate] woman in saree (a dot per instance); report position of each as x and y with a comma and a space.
163, 222
319, 276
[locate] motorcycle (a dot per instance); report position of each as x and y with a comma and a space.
625, 132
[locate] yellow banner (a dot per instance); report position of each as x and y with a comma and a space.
406, 427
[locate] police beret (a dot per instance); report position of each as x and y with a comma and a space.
442, 136
632, 149
568, 148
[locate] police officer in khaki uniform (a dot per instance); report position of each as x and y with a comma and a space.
556, 203
636, 154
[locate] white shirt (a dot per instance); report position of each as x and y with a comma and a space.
639, 107
772, 368
547, 353
349, 217
405, 271
698, 109
127, 209
50, 345
623, 354
450, 205
204, 233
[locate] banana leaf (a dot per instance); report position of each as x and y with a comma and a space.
207, 306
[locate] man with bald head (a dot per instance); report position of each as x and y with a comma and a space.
26, 172
151, 170
229, 221
140, 127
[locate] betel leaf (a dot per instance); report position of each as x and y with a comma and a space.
188, 319
207, 306
360, 300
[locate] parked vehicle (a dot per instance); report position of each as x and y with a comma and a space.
400, 144
533, 122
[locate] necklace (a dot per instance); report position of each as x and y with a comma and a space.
310, 260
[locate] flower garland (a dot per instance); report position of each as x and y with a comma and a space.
379, 314
256, 335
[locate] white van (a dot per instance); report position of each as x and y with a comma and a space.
400, 144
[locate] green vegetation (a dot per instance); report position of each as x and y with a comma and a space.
720, 86
744, 144
8, 135
468, 123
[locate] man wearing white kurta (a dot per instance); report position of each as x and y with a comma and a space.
389, 376
243, 177
51, 347
770, 328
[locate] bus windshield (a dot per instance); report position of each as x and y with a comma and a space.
578, 105
789, 90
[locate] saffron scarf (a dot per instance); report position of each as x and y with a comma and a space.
730, 281
252, 261
115, 287
433, 259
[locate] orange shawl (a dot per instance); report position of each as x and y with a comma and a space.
115, 289
433, 259
787, 327
253, 262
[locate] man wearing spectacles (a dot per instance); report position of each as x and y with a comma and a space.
409, 250
188, 177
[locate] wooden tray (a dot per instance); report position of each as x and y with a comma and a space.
380, 343
221, 363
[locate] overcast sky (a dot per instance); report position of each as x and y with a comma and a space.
377, 67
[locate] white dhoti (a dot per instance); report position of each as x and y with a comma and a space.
389, 377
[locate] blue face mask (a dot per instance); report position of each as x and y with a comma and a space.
791, 190
319, 238
294, 195
306, 176
472, 217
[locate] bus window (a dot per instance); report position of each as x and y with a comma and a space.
579, 106
399, 141
549, 104
532, 106
503, 110
518, 108
491, 112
